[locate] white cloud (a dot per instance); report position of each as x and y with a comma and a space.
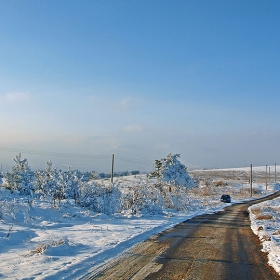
126, 103
113, 103
16, 97
129, 103
133, 128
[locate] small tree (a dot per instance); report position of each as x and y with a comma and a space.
20, 177
69, 184
93, 176
171, 170
158, 170
46, 182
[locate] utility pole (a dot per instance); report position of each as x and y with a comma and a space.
275, 173
112, 171
266, 177
251, 180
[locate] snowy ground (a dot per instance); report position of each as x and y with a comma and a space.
38, 241
265, 222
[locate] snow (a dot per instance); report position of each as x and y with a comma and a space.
255, 168
40, 241
265, 223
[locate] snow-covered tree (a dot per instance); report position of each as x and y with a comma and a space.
20, 178
158, 170
100, 198
46, 183
172, 171
93, 176
57, 185
69, 184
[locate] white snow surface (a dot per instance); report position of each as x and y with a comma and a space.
255, 168
265, 223
38, 241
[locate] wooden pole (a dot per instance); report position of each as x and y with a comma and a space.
275, 173
112, 171
269, 175
251, 180
266, 177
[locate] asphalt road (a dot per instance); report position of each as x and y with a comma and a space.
216, 246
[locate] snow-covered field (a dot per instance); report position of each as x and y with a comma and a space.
265, 222
39, 241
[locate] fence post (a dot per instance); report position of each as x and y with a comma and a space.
266, 177
275, 173
112, 171
251, 180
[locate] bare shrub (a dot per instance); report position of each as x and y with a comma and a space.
266, 238
274, 208
244, 191
276, 232
219, 183
264, 217
43, 247
39, 250
58, 243
206, 191
256, 210
208, 183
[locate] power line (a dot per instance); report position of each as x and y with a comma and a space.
71, 155
44, 153
140, 161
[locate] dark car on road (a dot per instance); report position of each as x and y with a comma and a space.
226, 198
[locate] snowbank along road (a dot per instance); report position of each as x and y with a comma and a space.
217, 246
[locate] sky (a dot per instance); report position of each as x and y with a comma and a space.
82, 80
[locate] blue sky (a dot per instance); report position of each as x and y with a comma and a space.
81, 80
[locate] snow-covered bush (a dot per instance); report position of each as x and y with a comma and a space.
58, 185
171, 170
69, 184
154, 198
100, 198
20, 178
139, 196
93, 176
15, 209
46, 183
107, 200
